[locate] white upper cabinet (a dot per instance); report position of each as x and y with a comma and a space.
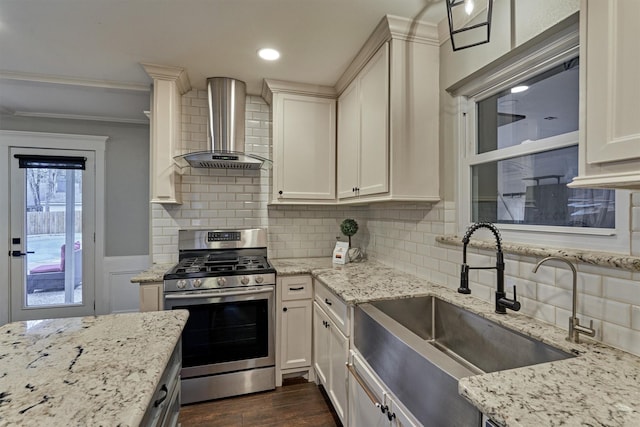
304, 142
169, 84
388, 116
363, 131
610, 116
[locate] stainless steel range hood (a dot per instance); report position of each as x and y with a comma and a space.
225, 129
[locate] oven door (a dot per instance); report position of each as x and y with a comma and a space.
228, 329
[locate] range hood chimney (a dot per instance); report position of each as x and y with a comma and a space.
225, 129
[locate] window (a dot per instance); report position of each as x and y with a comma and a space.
519, 150
527, 153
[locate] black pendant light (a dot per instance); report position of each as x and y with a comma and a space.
469, 22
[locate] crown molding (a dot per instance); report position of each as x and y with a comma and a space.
270, 86
80, 117
68, 81
389, 28
166, 72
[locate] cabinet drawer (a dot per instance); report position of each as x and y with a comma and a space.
296, 287
333, 306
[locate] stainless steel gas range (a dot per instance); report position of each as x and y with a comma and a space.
224, 279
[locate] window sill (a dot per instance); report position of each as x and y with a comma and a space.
604, 259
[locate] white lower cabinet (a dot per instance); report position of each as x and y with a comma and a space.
371, 404
151, 296
330, 355
293, 324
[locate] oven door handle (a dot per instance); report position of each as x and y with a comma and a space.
195, 295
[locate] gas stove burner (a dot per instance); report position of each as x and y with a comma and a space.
219, 258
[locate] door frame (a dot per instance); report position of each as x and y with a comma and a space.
23, 139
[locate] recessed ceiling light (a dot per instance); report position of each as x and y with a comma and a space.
268, 54
519, 89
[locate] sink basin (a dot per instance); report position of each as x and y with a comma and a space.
478, 343
420, 347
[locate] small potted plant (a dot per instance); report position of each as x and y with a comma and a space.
349, 227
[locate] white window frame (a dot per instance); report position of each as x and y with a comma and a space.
526, 61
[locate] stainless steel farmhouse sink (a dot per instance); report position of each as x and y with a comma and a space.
421, 347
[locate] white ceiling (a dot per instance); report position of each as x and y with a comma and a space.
81, 58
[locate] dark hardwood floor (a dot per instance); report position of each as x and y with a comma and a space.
296, 403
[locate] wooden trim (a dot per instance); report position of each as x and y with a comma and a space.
270, 86
164, 72
389, 27
542, 52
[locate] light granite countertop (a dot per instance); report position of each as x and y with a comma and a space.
84, 371
155, 273
601, 386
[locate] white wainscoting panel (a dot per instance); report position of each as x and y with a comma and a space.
119, 293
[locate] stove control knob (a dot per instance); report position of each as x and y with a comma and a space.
259, 279
244, 280
180, 284
222, 281
197, 283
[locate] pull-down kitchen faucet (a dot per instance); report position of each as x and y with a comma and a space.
502, 302
575, 328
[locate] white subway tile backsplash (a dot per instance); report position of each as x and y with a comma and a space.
622, 290
554, 296
635, 317
610, 311
621, 337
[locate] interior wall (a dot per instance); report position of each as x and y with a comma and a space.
126, 176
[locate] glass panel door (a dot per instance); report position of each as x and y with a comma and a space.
51, 238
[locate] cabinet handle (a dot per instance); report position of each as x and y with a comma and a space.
284, 309
353, 189
364, 386
158, 402
296, 289
326, 301
384, 408
391, 415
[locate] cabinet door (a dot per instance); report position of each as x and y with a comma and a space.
151, 297
348, 141
401, 416
365, 406
321, 345
304, 139
362, 413
374, 110
296, 334
339, 354
612, 85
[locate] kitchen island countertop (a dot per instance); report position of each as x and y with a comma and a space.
81, 371
599, 387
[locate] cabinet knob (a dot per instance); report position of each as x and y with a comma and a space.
284, 309
280, 192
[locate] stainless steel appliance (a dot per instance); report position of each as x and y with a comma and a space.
224, 279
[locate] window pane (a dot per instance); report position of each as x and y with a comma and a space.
533, 189
547, 108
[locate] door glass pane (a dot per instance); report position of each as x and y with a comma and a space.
532, 189
53, 237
